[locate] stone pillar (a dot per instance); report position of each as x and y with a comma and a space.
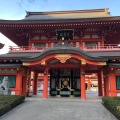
45, 86
100, 92
82, 76
35, 83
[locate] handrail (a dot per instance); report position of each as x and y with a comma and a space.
106, 47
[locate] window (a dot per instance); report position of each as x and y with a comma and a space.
91, 44
8, 81
40, 45
65, 34
118, 82
86, 36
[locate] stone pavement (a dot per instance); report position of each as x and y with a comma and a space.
36, 108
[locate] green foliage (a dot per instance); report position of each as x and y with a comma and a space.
113, 104
8, 102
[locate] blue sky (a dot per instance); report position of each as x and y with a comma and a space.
11, 9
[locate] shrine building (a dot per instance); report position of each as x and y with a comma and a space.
63, 50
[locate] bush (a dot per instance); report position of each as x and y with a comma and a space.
8, 102
112, 104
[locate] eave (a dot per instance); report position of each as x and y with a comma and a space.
10, 28
100, 19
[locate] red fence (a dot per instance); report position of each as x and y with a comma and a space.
106, 47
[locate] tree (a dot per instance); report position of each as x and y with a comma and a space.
27, 2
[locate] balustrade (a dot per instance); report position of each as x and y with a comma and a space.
106, 47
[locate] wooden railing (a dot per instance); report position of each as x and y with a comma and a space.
106, 47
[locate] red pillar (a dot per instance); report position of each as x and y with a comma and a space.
49, 44
112, 83
18, 82
82, 76
28, 88
89, 83
100, 92
35, 83
81, 45
28, 82
107, 85
104, 86
106, 82
102, 42
45, 86
24, 85
74, 44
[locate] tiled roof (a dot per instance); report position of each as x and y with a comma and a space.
66, 48
32, 55
9, 65
76, 14
17, 55
115, 65
55, 50
92, 15
105, 54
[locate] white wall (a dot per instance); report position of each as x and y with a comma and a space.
7, 42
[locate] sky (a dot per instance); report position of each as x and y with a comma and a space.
16, 9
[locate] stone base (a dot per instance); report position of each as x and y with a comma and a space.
5, 92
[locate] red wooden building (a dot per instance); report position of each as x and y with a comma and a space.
63, 48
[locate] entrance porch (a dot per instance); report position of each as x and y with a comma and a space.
69, 79
65, 82
64, 67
